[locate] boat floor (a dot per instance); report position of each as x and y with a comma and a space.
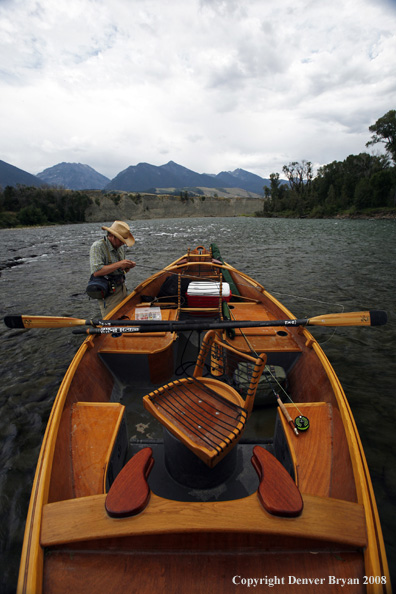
242, 482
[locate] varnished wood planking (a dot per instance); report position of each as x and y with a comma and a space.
97, 389
311, 451
221, 573
145, 343
266, 339
94, 429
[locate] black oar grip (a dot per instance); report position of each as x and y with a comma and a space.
14, 321
378, 317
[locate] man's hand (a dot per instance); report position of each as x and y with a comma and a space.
109, 268
126, 265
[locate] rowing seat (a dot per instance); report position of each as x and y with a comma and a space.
207, 414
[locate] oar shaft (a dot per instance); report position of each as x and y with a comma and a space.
360, 319
180, 326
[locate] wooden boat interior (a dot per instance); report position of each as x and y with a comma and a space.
126, 492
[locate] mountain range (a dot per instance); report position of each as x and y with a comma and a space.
13, 176
136, 178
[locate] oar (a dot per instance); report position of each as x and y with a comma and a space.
63, 322
363, 318
43, 322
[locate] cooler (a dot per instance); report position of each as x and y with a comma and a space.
207, 294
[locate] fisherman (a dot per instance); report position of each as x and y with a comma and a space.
107, 258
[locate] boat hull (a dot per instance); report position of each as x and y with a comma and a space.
218, 536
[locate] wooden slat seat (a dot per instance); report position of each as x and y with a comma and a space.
94, 430
201, 418
208, 415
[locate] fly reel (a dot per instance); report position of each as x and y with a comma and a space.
301, 423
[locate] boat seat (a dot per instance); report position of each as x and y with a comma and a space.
94, 430
136, 343
207, 414
150, 352
267, 339
320, 455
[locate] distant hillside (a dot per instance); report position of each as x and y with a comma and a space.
243, 179
13, 176
146, 178
74, 176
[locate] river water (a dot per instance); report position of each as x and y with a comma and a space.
312, 266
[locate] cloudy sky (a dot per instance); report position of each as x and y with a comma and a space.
211, 84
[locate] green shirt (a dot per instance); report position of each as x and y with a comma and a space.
99, 255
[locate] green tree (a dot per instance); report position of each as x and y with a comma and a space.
31, 215
10, 198
300, 176
383, 187
384, 130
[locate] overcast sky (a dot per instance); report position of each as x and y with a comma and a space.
211, 84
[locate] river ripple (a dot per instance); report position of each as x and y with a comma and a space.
312, 266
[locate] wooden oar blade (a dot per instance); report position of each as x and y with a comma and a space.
42, 322
354, 318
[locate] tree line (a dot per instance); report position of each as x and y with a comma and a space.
359, 183
25, 205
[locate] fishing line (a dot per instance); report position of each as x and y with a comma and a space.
327, 303
253, 351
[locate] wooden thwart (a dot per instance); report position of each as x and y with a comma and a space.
326, 520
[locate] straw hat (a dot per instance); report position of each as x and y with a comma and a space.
121, 230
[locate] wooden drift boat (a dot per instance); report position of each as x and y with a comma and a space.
206, 447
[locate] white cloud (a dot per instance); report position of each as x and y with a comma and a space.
210, 84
